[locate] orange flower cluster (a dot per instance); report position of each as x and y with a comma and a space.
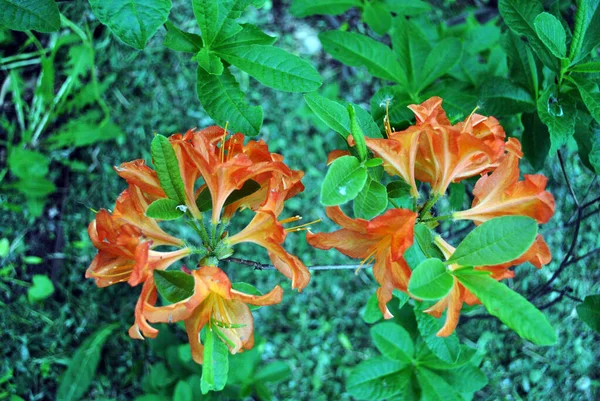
436, 152
127, 240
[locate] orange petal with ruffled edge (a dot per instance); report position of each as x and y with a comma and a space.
390, 275
137, 173
141, 328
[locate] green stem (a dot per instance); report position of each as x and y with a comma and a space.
439, 218
429, 204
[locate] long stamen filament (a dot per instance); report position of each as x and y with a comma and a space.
290, 219
223, 142
303, 226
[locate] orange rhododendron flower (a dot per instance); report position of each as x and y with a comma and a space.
437, 152
502, 194
384, 238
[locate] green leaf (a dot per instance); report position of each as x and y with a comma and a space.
25, 15
216, 363
204, 200
35, 187
440, 60
183, 391
591, 67
552, 33
589, 312
508, 306
4, 247
398, 101
174, 286
249, 35
586, 134
32, 260
558, 113
535, 140
393, 341
377, 378
424, 239
445, 348
594, 155
274, 67
435, 388
377, 16
84, 131
428, 359
412, 48
523, 68
502, 97
457, 195
167, 168
465, 379
181, 41
411, 7
217, 19
134, 21
371, 200
357, 134
520, 16
25, 163
210, 62
82, 368
590, 94
221, 97
273, 372
305, 8
430, 280
358, 50
581, 17
41, 289
499, 240
591, 38
165, 209
344, 180
372, 313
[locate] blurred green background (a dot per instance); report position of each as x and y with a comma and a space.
319, 333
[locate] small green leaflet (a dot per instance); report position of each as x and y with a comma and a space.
393, 341
181, 41
344, 180
210, 62
174, 286
249, 35
41, 288
377, 379
589, 312
445, 348
167, 168
357, 134
552, 33
371, 200
165, 209
216, 362
496, 241
430, 280
510, 307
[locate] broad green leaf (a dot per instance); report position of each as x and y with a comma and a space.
167, 168
358, 50
344, 180
376, 161
25, 15
305, 8
499, 240
591, 67
410, 7
399, 194
377, 16
523, 68
41, 288
273, 372
502, 97
581, 21
393, 341
440, 60
174, 286
366, 122
591, 38
445, 348
274, 67
82, 368
377, 378
134, 21
424, 239
590, 94
372, 313
435, 388
396, 100
216, 362
359, 138
249, 35
217, 19
552, 33
430, 280
183, 391
371, 200
221, 97
428, 359
412, 48
25, 163
457, 195
558, 112
181, 41
35, 187
535, 140
589, 312
465, 379
510, 307
165, 209
209, 61
520, 17
204, 200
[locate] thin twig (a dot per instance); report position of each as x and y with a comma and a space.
262, 266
